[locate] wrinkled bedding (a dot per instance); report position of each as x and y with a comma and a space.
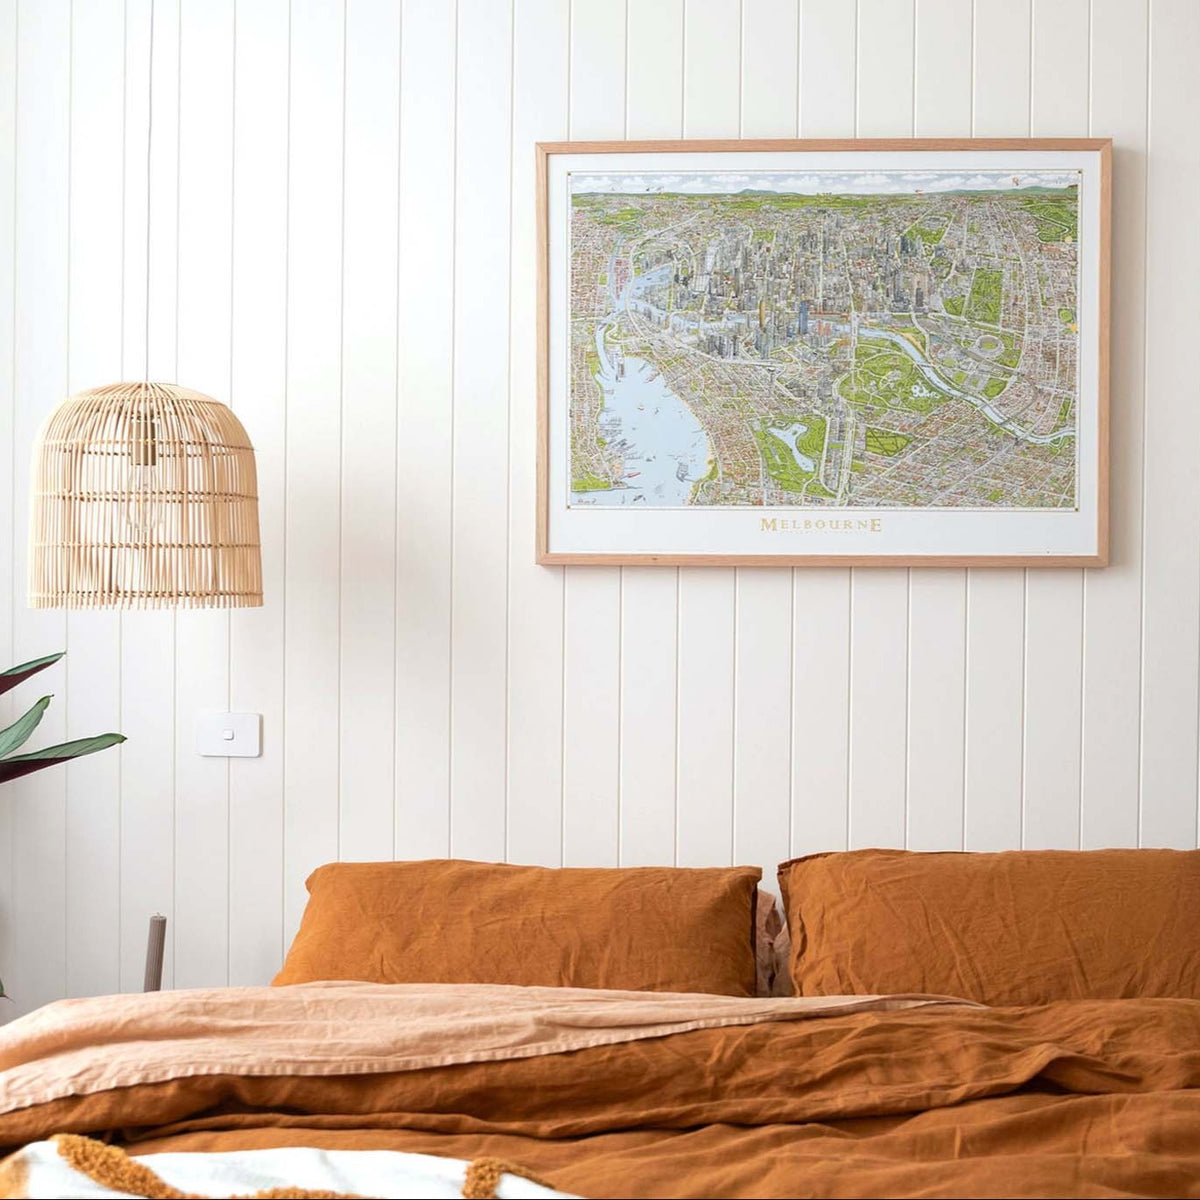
629, 1094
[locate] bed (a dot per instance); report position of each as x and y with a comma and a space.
523, 1088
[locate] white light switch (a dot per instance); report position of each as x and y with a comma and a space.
229, 735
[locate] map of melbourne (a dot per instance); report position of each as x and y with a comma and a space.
885, 340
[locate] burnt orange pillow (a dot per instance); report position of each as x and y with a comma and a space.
659, 929
1022, 927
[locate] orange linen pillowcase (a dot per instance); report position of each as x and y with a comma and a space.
1021, 927
446, 921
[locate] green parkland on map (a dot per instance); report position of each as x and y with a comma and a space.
901, 340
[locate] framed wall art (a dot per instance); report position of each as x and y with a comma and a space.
824, 352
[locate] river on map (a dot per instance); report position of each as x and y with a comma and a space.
664, 448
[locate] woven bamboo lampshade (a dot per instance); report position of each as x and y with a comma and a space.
143, 495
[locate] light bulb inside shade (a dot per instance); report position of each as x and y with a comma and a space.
139, 501
141, 514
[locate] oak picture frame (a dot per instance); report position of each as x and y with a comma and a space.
1096, 554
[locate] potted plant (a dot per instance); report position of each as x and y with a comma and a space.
13, 765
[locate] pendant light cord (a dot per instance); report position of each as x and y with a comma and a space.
149, 137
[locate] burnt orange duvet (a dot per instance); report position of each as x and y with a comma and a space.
596, 1094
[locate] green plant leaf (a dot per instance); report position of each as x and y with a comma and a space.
26, 764
15, 675
75, 749
18, 732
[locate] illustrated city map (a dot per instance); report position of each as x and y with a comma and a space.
884, 340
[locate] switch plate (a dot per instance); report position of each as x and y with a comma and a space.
229, 735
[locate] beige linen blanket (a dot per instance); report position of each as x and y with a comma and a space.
79, 1047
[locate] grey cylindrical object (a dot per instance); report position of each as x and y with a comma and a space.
154, 953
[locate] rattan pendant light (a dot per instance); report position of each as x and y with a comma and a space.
143, 495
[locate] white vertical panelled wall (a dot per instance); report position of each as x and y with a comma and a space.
342, 245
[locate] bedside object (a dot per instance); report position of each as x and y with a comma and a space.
155, 944
14, 736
